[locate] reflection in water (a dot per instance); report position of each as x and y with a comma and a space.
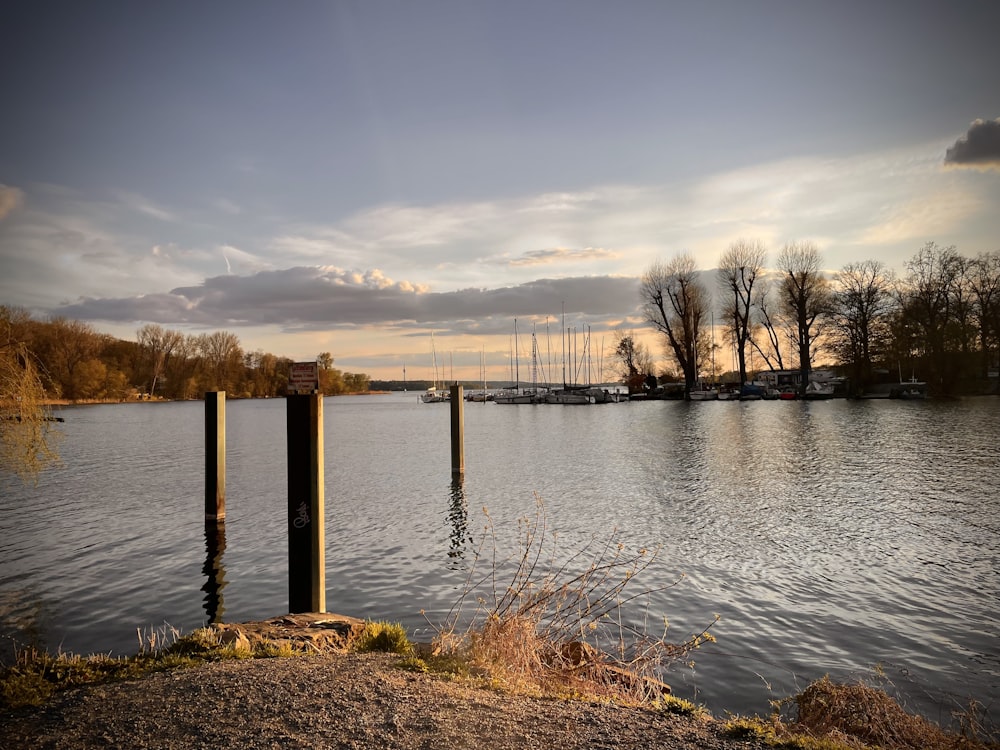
458, 516
214, 570
22, 623
830, 535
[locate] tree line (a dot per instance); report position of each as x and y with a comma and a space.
939, 319
75, 362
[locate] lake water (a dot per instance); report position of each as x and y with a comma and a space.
831, 537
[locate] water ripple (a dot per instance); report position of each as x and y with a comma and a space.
829, 536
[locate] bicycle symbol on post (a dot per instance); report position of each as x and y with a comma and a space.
302, 519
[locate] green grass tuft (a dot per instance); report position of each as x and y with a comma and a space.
388, 637
670, 704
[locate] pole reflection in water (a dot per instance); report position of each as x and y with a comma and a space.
458, 516
214, 570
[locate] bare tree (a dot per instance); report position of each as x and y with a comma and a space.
805, 298
934, 312
738, 272
768, 320
985, 278
676, 304
863, 306
634, 361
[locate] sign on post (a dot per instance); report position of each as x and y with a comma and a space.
303, 377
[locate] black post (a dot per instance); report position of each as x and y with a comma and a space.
457, 430
215, 456
306, 553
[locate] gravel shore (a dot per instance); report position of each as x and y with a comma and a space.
336, 700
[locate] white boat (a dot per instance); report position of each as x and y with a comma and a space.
816, 390
434, 395
568, 397
515, 396
704, 394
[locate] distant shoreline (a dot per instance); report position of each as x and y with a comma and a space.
98, 401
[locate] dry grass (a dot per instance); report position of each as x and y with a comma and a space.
869, 716
555, 624
838, 716
36, 675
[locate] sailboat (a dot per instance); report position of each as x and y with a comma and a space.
435, 395
514, 395
708, 393
568, 395
483, 395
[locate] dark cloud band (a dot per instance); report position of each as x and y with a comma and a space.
317, 298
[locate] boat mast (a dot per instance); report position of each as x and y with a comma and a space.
517, 368
434, 358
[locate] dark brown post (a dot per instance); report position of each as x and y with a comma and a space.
215, 457
457, 430
306, 552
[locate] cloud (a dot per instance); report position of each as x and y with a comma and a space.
553, 255
10, 199
142, 205
921, 217
979, 147
326, 297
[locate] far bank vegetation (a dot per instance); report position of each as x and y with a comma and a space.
74, 362
938, 320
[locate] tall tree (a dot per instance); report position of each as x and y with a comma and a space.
634, 361
985, 279
768, 320
739, 269
862, 311
928, 312
805, 298
158, 346
675, 302
63, 345
223, 361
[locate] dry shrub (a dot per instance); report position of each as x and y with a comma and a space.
859, 715
554, 623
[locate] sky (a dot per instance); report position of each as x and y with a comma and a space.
351, 177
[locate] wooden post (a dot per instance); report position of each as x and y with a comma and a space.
215, 456
306, 551
457, 430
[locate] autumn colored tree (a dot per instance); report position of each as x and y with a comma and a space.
27, 434
157, 346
